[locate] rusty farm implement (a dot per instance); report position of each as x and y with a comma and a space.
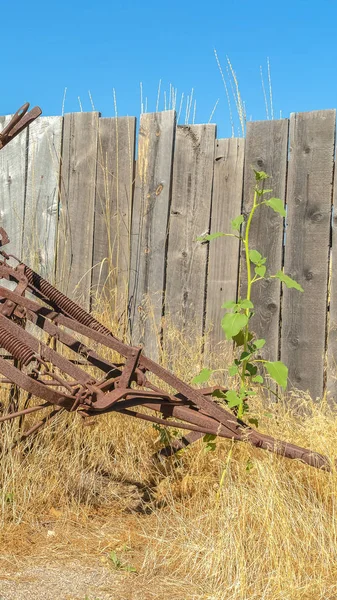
31, 361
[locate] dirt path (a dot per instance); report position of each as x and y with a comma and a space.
75, 581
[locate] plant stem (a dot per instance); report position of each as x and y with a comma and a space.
249, 287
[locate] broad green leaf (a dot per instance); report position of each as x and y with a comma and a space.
253, 421
243, 356
257, 379
229, 304
211, 236
260, 175
232, 399
239, 339
261, 271
203, 376
246, 303
232, 323
233, 370
209, 437
288, 281
278, 371
237, 222
259, 343
252, 369
255, 256
277, 205
218, 394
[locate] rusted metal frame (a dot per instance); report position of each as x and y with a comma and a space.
224, 417
20, 120
164, 422
129, 368
35, 387
8, 307
75, 345
38, 426
26, 411
198, 399
186, 440
4, 239
281, 448
110, 399
45, 352
57, 299
191, 415
60, 319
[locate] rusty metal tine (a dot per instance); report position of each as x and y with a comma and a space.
16, 118
26, 411
38, 426
28, 119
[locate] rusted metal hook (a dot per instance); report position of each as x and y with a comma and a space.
20, 120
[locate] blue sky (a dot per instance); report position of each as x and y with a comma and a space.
102, 45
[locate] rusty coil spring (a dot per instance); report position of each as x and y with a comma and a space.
68, 306
15, 347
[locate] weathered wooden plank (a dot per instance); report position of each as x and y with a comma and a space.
42, 195
331, 381
189, 218
13, 164
309, 191
149, 227
115, 175
266, 150
223, 263
77, 204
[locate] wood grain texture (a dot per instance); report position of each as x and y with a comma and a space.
266, 150
309, 192
149, 227
331, 382
13, 165
113, 205
77, 204
223, 263
189, 218
42, 195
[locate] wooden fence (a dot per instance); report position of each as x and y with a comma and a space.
84, 213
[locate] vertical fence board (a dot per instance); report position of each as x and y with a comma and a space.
115, 172
189, 218
77, 202
42, 194
13, 164
266, 150
331, 384
149, 227
223, 264
309, 192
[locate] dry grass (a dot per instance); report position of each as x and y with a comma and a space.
268, 532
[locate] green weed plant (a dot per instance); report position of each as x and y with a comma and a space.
248, 367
